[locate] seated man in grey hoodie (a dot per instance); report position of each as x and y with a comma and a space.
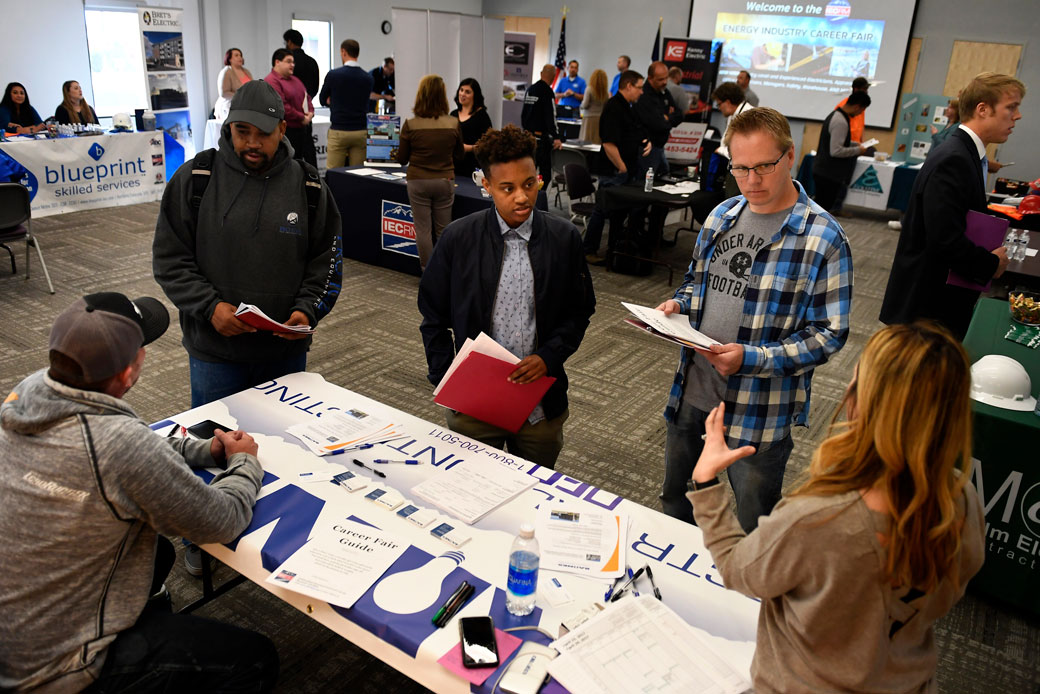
87, 488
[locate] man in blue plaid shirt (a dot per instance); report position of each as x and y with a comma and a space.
771, 279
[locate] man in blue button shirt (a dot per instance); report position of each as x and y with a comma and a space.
519, 275
623, 63
570, 91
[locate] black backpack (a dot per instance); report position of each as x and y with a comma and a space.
202, 169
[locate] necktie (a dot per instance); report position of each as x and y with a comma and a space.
985, 171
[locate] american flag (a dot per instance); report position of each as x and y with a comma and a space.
561, 53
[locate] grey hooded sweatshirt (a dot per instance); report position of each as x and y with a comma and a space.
253, 244
85, 487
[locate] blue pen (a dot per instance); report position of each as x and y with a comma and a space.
610, 590
383, 461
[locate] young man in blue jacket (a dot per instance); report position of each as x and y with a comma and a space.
519, 275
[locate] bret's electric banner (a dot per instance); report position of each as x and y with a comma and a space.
83, 173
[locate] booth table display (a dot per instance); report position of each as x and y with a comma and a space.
888, 186
377, 219
394, 625
1006, 469
88, 172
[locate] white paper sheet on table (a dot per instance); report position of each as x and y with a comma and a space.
470, 490
339, 563
341, 429
682, 188
640, 645
583, 541
676, 325
364, 172
483, 344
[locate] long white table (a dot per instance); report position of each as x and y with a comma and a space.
430, 569
85, 173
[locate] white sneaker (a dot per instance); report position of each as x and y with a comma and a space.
895, 225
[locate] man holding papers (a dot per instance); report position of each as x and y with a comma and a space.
247, 223
771, 279
519, 275
933, 241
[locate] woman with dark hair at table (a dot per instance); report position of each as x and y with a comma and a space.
430, 144
856, 565
232, 76
474, 121
16, 114
74, 108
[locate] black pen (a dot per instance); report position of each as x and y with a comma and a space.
378, 473
447, 603
650, 575
452, 611
630, 581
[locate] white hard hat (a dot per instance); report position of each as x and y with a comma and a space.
122, 121
1002, 382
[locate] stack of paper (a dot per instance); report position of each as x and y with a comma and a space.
252, 315
674, 328
477, 383
582, 540
640, 645
340, 562
342, 429
472, 490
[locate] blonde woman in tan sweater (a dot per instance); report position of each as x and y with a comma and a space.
856, 565
430, 143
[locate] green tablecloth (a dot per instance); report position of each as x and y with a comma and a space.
1006, 470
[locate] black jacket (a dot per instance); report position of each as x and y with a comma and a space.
932, 241
618, 125
457, 293
539, 113
836, 168
652, 112
306, 70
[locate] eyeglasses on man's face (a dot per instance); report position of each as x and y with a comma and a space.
760, 169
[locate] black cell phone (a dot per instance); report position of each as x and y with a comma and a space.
204, 429
478, 642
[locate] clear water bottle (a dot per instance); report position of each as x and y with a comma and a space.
1023, 244
1011, 243
649, 184
523, 572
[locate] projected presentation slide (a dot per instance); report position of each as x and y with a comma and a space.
802, 57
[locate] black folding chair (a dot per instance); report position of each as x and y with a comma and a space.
16, 225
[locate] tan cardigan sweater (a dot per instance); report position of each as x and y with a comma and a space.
430, 147
829, 622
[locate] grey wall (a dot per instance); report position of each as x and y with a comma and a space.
49, 47
940, 22
600, 30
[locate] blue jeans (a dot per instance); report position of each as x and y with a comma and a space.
213, 380
756, 480
594, 229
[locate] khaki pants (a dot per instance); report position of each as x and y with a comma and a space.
431, 200
344, 144
540, 443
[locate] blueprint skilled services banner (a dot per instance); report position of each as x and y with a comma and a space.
84, 173
871, 183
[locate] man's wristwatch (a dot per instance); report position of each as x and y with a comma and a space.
694, 486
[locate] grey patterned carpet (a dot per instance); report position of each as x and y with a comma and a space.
370, 344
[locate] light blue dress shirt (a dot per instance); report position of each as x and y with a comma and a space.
512, 322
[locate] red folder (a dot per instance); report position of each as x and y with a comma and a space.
481, 389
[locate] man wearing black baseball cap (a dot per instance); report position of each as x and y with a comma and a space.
87, 489
247, 224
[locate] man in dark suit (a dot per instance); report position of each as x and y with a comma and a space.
952, 182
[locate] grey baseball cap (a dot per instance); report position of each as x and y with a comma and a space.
101, 333
257, 103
